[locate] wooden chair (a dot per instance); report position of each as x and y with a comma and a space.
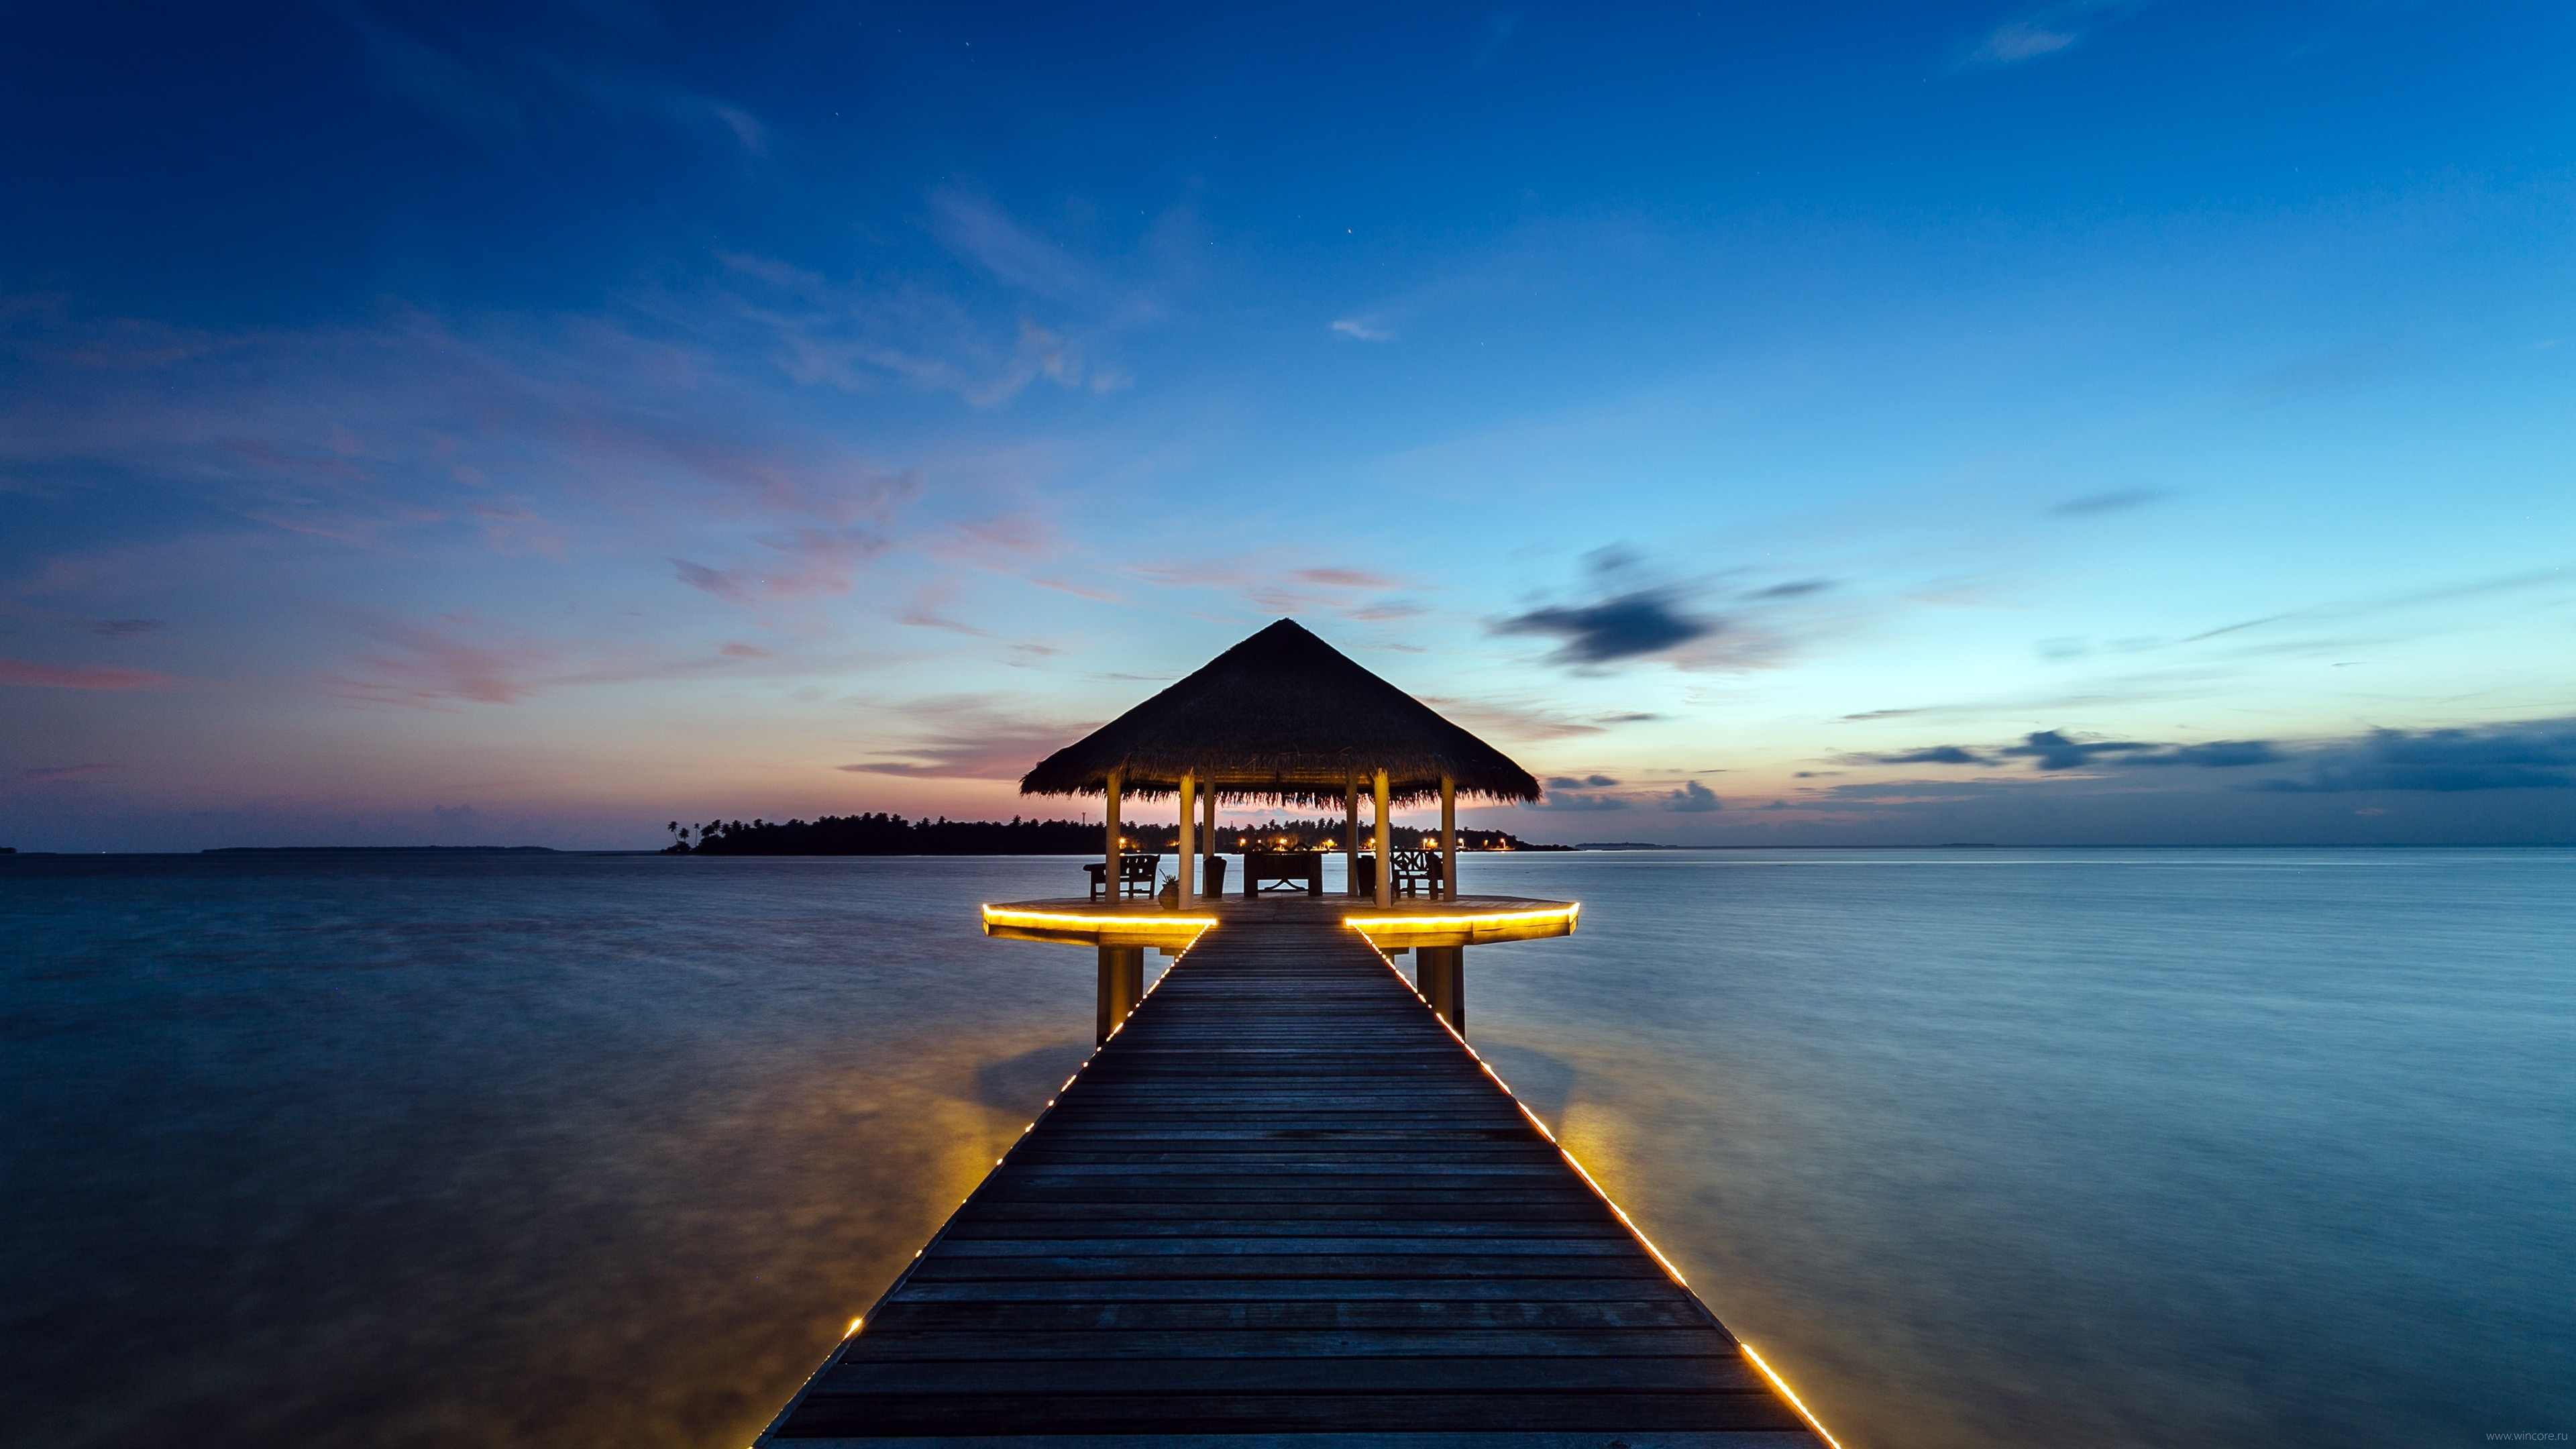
1137, 874
1417, 872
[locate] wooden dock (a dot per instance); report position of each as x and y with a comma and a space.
1286, 1205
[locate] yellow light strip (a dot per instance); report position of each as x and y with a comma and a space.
1788, 1393
1450, 923
1011, 916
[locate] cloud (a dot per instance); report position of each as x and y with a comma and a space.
1693, 798
745, 651
1349, 579
2051, 750
2326, 371
1588, 782
27, 673
2216, 755
2117, 501
1625, 626
1580, 803
860, 334
1513, 721
64, 772
970, 739
1933, 755
808, 562
508, 89
980, 231
115, 628
2534, 756
1796, 589
454, 657
2047, 31
2054, 751
1363, 330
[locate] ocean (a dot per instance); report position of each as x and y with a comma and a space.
1979, 1147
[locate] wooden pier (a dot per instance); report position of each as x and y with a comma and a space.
1284, 1204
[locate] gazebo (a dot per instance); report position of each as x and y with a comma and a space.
1282, 718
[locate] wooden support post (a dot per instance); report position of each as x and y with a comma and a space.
1111, 852
1189, 793
1440, 974
1207, 813
1385, 861
1448, 838
1122, 985
1351, 838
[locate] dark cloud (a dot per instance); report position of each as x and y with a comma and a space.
2054, 751
1693, 798
1579, 802
1588, 782
2216, 755
1611, 719
2115, 502
1624, 626
64, 772
1933, 755
1792, 590
2539, 756
114, 627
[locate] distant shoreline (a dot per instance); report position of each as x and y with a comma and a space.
398, 850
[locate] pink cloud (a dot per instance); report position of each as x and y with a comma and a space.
969, 739
814, 561
1348, 579
28, 673
1078, 591
457, 657
64, 772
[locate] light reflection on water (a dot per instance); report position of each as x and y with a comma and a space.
1981, 1148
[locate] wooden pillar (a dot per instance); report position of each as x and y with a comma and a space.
1122, 985
1189, 800
1351, 838
1207, 815
1385, 862
1440, 974
1117, 778
1448, 838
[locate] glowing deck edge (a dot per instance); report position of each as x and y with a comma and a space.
1565, 913
1788, 1393
1013, 916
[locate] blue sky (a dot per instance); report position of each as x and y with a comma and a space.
2091, 422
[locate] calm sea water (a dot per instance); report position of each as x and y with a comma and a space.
1982, 1147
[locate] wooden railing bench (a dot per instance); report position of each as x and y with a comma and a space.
1417, 873
1303, 869
1137, 874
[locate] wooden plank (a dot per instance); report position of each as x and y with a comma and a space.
1209, 1341
991, 1412
1345, 1374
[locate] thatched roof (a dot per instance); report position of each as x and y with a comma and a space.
1281, 716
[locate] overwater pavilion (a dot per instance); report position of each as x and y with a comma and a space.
1283, 718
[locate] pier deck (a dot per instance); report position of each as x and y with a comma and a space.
1284, 1205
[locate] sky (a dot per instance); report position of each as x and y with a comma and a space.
2098, 422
